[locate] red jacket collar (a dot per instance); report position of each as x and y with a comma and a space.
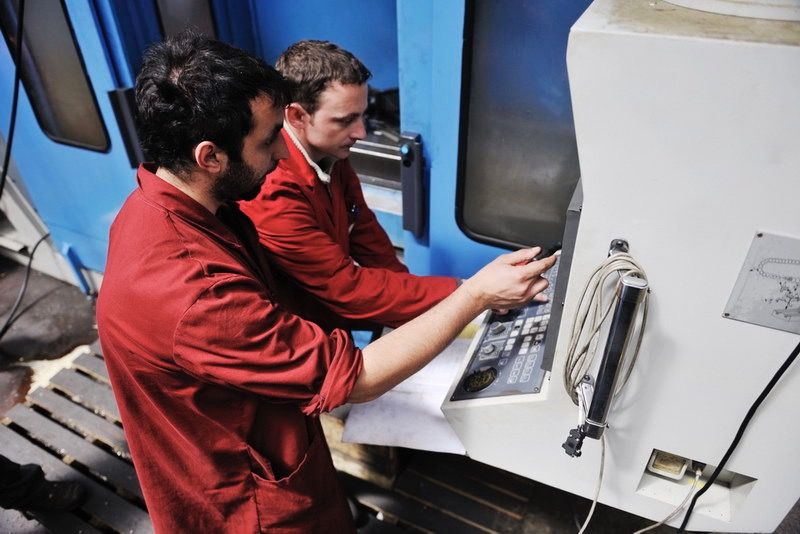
172, 199
296, 163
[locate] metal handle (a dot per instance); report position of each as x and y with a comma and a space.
631, 290
411, 181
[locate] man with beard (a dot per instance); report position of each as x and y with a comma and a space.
311, 212
218, 383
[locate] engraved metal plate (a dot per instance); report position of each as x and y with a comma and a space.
767, 292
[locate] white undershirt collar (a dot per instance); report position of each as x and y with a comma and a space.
323, 176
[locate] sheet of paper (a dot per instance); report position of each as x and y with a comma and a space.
410, 415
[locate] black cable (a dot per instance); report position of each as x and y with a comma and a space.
13, 120
22, 290
739, 434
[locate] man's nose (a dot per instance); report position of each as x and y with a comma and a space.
359, 130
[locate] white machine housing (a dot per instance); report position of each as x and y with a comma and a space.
688, 131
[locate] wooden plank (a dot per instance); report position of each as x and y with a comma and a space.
406, 510
63, 523
455, 504
96, 348
65, 443
514, 485
13, 521
92, 365
92, 394
458, 481
102, 504
81, 420
376, 526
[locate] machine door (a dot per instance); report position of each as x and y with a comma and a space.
75, 148
68, 149
485, 83
518, 163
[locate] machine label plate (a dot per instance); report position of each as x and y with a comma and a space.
767, 292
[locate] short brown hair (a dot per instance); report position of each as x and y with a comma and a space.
311, 66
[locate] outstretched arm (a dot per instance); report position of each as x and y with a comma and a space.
508, 281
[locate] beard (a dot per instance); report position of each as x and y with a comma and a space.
240, 182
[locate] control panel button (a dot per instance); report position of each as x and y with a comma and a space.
480, 379
497, 328
488, 349
500, 364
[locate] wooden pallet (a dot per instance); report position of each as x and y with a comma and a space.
72, 428
447, 493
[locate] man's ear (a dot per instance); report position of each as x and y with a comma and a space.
209, 157
296, 116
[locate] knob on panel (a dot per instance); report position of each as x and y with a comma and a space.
480, 379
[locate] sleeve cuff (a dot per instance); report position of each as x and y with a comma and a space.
340, 378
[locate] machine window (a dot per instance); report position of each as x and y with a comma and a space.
53, 74
176, 15
518, 161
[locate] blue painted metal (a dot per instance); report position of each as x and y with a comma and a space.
68, 251
416, 44
393, 224
430, 36
77, 192
367, 29
127, 28
234, 23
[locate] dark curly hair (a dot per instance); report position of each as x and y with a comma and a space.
192, 88
311, 66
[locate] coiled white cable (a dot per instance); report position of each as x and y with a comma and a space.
591, 315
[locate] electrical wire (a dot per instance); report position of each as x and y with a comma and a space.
742, 427
15, 98
681, 506
7, 158
599, 484
585, 332
591, 315
21, 294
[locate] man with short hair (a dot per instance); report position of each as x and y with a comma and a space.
311, 212
218, 383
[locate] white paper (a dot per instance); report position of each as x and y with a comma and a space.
410, 415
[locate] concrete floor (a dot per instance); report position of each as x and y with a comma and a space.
56, 320
53, 319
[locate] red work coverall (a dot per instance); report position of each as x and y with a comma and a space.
217, 383
333, 248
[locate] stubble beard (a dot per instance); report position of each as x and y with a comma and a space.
240, 182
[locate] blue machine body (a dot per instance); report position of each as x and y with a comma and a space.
76, 191
416, 45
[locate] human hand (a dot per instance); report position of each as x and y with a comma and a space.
510, 280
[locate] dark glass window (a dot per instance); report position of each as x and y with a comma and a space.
53, 74
176, 15
518, 157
